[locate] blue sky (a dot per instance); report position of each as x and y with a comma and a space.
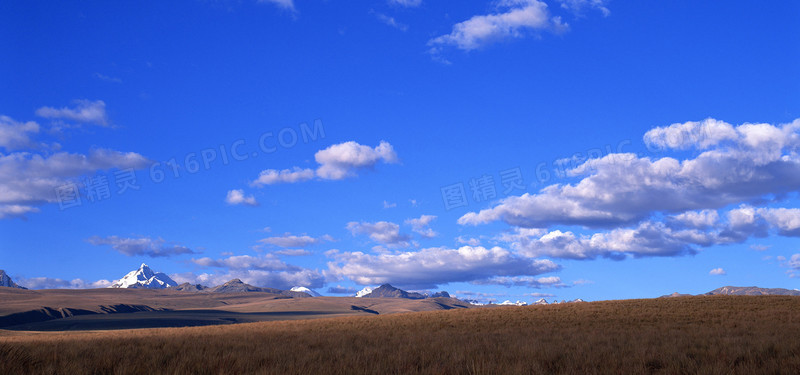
618, 149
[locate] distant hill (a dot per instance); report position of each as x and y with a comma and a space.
187, 287
752, 291
388, 291
6, 281
742, 291
238, 286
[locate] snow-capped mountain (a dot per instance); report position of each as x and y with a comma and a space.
364, 292
6, 281
541, 301
144, 278
509, 303
303, 289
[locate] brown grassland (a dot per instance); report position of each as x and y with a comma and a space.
686, 335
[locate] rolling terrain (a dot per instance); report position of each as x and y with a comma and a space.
120, 308
702, 334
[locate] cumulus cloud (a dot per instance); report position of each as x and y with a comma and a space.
342, 290
578, 6
292, 252
515, 19
284, 4
84, 111
266, 263
383, 232
265, 271
697, 219
427, 268
274, 176
237, 196
655, 238
471, 241
290, 240
390, 21
717, 272
737, 164
421, 224
336, 162
142, 246
54, 283
526, 281
343, 160
28, 180
17, 135
406, 3
794, 261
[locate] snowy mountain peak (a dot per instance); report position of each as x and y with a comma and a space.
6, 281
303, 289
364, 292
144, 277
509, 303
541, 301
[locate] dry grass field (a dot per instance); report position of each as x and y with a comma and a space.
687, 335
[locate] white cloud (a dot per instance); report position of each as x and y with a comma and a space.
292, 252
142, 246
290, 240
527, 281
471, 241
274, 176
654, 238
85, 111
390, 21
389, 205
17, 135
421, 225
406, 3
697, 219
577, 6
382, 231
237, 196
620, 189
267, 262
343, 160
266, 271
794, 261
430, 267
717, 272
518, 17
285, 4
342, 290
336, 162
107, 78
786, 220
54, 283
28, 180
268, 279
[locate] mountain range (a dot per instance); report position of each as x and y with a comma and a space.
742, 291
6, 281
145, 278
388, 291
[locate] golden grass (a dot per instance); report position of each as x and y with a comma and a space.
710, 335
